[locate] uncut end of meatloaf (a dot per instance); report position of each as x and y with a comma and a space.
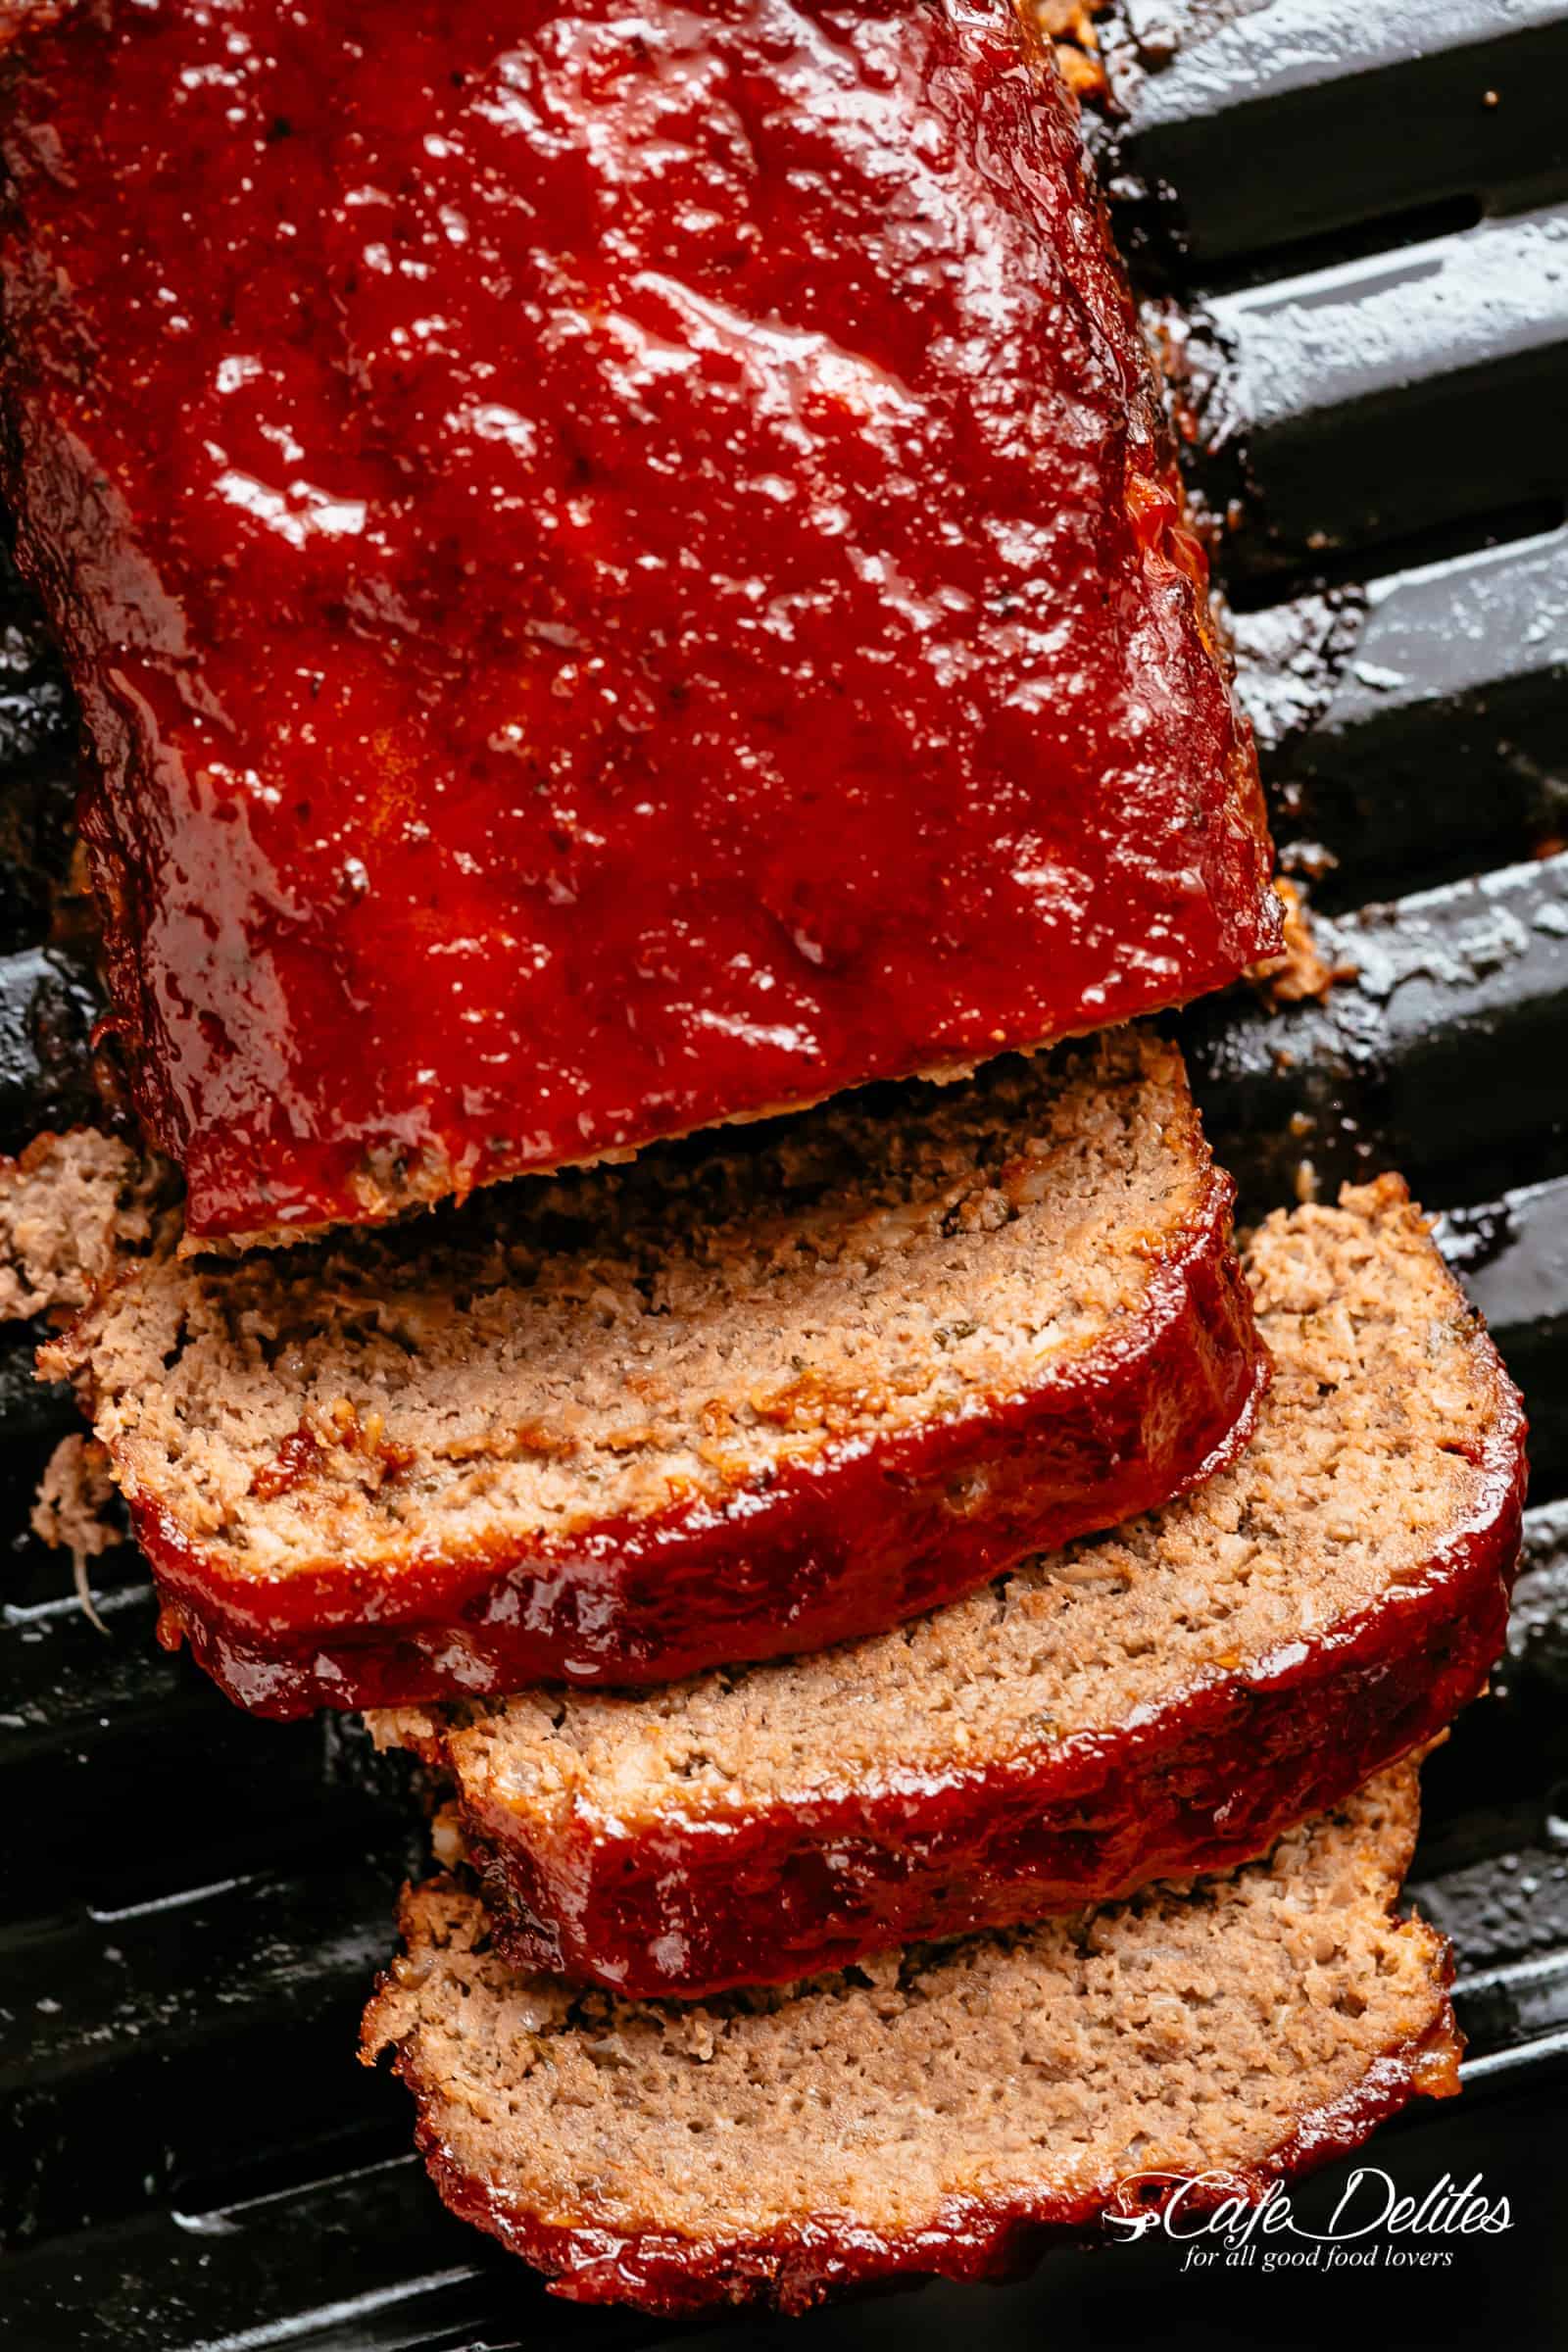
1161, 1699
720, 1403
938, 2109
762, 652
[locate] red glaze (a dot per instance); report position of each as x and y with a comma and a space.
967, 2238
866, 1534
623, 566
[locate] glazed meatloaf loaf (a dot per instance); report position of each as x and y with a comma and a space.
1163, 1700
622, 567
937, 2109
721, 1403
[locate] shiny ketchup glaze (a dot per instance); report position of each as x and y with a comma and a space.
620, 564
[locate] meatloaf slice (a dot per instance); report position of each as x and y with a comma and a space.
73, 1208
1158, 1700
936, 2109
714, 1405
623, 566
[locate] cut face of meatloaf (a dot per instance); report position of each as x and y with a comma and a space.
714, 1405
938, 2109
622, 567
72, 1208
1163, 1699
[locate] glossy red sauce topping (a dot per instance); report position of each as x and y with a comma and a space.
619, 566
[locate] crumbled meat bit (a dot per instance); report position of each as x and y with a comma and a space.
72, 1208
71, 1512
1069, 25
1303, 970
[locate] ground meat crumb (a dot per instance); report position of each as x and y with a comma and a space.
72, 1511
1069, 25
72, 1206
1303, 970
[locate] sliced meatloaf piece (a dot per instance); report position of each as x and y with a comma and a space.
936, 2109
714, 1405
1163, 1699
73, 1208
623, 566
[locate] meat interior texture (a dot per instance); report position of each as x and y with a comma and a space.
921, 2111
622, 568
569, 1354
1165, 1697
720, 1403
1386, 1427
74, 1209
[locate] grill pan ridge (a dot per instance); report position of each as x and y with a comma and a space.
1351, 222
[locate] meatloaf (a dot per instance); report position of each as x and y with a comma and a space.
936, 2109
1163, 1699
73, 1207
622, 567
718, 1403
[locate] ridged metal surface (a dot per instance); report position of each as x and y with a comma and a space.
193, 1903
